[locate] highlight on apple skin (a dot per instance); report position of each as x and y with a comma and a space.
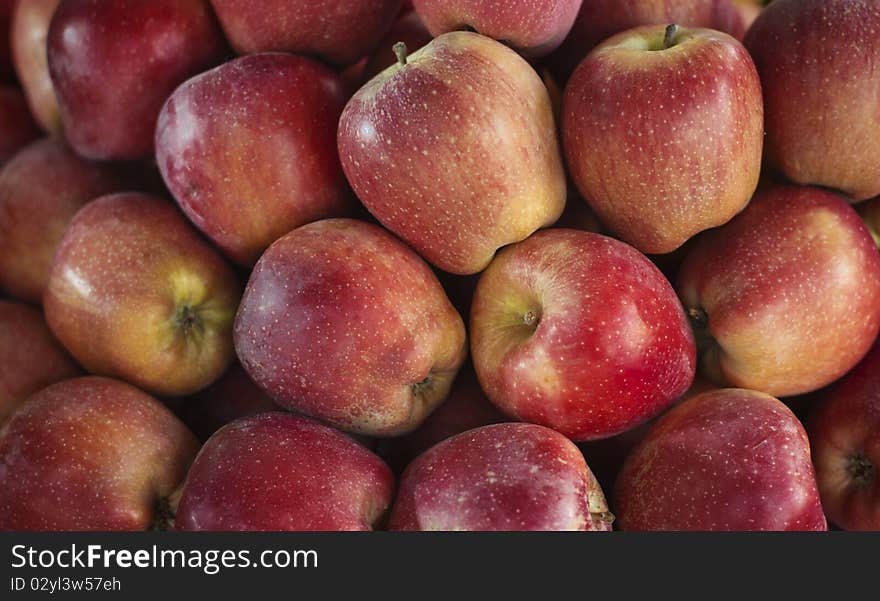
501, 477
454, 149
343, 322
92, 454
581, 333
278, 471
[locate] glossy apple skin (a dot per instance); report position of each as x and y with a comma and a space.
503, 477
533, 27
278, 471
231, 397
341, 321
730, 459
337, 31
659, 169
456, 151
408, 29
16, 123
114, 62
466, 408
819, 62
844, 430
581, 333
598, 20
41, 189
249, 150
135, 293
30, 357
794, 273
91, 454
29, 30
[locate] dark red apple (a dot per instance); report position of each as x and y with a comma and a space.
785, 298
135, 293
30, 357
249, 150
278, 471
532, 27
844, 431
41, 189
30, 28
724, 460
454, 149
337, 31
114, 62
819, 62
343, 322
16, 123
581, 333
501, 477
92, 454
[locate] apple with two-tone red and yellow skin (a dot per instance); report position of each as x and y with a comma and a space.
581, 333
454, 149
30, 357
248, 149
532, 27
135, 293
844, 429
41, 189
723, 460
502, 477
92, 454
339, 32
16, 123
29, 30
114, 62
786, 297
819, 63
598, 20
283, 472
659, 168
343, 322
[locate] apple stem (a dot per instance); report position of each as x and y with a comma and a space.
671, 30
400, 52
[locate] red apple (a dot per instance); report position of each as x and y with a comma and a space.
844, 432
724, 460
114, 62
408, 29
819, 62
92, 454
30, 357
343, 322
466, 408
279, 471
598, 20
532, 27
581, 333
337, 31
30, 27
454, 149
16, 123
41, 189
786, 297
135, 293
660, 168
249, 150
231, 397
501, 477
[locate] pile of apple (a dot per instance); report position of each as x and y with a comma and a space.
440, 265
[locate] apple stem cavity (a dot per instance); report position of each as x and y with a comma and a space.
669, 36
400, 52
861, 470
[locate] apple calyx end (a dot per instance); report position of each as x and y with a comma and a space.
603, 516
861, 470
424, 386
531, 319
400, 51
187, 320
165, 511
